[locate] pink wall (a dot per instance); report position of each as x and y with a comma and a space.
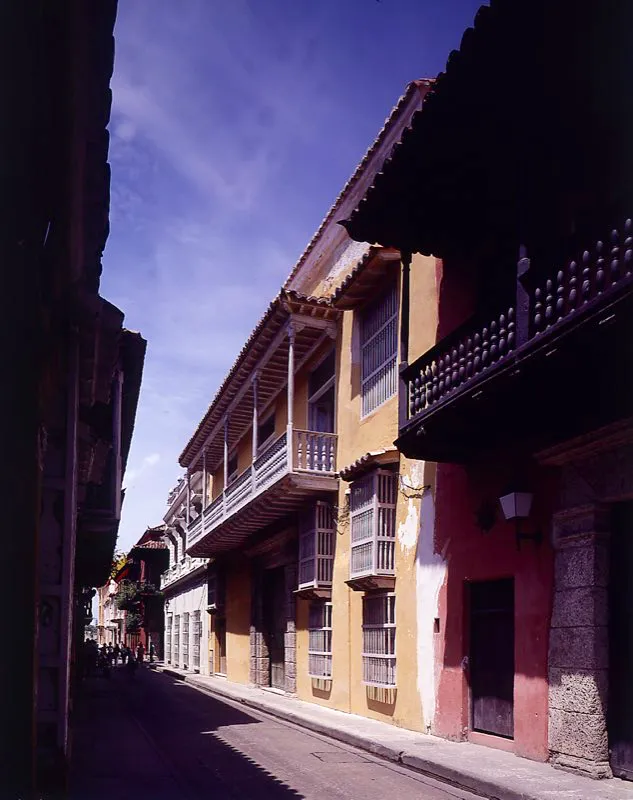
473, 555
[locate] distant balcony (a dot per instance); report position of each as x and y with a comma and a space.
279, 481
551, 337
181, 570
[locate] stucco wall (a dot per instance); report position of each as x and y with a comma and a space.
193, 597
475, 555
238, 620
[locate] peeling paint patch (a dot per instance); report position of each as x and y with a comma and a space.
430, 576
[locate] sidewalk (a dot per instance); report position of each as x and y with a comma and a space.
491, 773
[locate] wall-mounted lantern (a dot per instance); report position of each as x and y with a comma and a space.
517, 506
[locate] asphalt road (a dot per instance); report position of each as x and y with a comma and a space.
153, 738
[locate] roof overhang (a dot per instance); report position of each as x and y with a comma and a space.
264, 354
368, 462
362, 283
496, 149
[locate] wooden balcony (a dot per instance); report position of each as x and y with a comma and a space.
181, 570
519, 370
278, 482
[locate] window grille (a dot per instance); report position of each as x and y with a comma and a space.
177, 641
373, 524
185, 641
316, 546
379, 348
168, 639
320, 640
379, 640
197, 636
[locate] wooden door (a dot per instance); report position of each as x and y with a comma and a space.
220, 633
275, 624
492, 657
620, 708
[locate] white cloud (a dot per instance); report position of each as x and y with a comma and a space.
132, 475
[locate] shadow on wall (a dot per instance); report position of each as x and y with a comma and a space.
322, 688
382, 699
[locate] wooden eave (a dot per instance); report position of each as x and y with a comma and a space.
371, 583
266, 355
370, 461
364, 281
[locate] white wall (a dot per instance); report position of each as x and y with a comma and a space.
190, 599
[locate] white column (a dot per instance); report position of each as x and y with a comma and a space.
255, 419
188, 497
226, 452
291, 393
205, 490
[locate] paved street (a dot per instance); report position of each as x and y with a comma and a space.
153, 737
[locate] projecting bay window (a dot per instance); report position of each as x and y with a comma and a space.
316, 550
168, 637
373, 530
379, 350
177, 640
197, 637
379, 640
320, 640
185, 641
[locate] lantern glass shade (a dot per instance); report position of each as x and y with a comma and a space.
516, 505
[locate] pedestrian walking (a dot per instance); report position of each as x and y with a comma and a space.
116, 652
140, 652
152, 653
132, 666
124, 654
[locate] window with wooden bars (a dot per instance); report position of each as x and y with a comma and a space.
185, 640
316, 546
320, 640
373, 524
177, 640
168, 638
197, 636
379, 640
379, 350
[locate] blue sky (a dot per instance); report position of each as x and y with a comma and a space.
235, 124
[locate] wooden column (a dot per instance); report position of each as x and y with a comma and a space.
188, 497
255, 416
291, 393
226, 452
403, 385
205, 481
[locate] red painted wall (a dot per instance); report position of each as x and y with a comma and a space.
473, 555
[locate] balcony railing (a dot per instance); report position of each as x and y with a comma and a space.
570, 293
180, 570
311, 452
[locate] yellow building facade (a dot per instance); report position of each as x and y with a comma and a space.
322, 579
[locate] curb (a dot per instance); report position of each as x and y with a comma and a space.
452, 776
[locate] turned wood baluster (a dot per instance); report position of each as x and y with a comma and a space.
600, 273
477, 353
573, 285
442, 375
454, 367
324, 441
586, 276
435, 381
428, 384
628, 247
502, 335
538, 310
485, 348
511, 330
414, 395
549, 303
560, 294
299, 450
469, 357
332, 447
462, 363
494, 340
614, 267
308, 452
